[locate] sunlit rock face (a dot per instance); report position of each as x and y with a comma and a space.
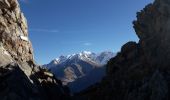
14, 32
141, 70
20, 77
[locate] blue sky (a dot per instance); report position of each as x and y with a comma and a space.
62, 27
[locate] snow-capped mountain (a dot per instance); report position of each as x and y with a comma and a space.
101, 58
81, 66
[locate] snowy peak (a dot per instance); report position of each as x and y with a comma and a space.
61, 59
86, 53
99, 58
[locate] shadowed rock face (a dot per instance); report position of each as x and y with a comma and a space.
152, 27
16, 85
141, 70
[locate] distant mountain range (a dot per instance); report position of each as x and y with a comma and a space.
80, 70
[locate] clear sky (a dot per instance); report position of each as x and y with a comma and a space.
62, 27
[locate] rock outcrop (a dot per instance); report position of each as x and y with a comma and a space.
141, 70
20, 77
14, 32
42, 85
152, 27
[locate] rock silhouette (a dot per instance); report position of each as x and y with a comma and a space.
141, 70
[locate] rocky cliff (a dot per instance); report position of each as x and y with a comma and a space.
15, 45
14, 32
141, 70
20, 77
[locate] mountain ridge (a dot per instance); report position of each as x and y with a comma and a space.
71, 69
84, 54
